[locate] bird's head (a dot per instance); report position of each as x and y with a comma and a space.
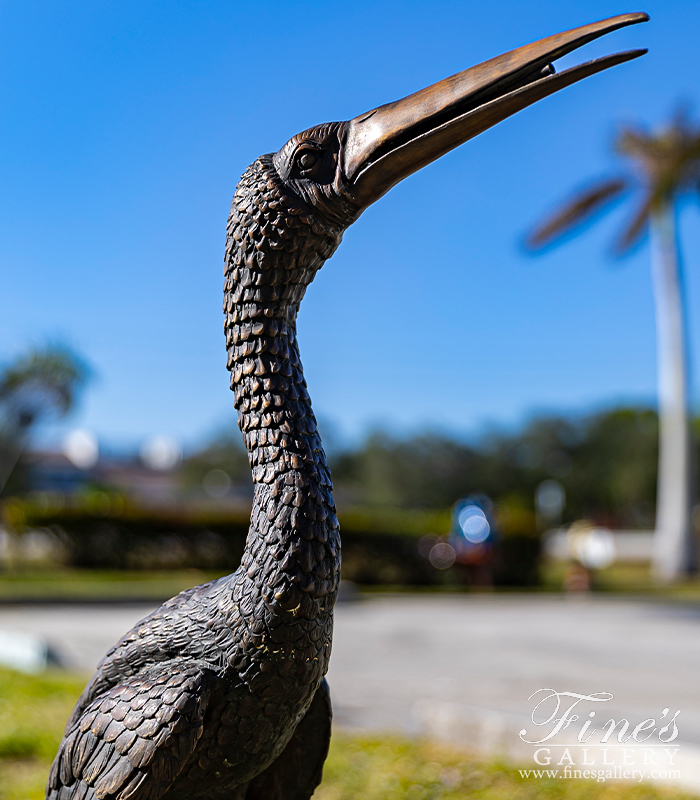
341, 168
295, 204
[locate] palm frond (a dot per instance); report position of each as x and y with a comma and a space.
42, 381
635, 230
577, 211
668, 159
638, 144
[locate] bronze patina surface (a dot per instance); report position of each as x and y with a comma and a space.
220, 693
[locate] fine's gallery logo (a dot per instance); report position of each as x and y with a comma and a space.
573, 731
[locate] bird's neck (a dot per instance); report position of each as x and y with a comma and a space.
293, 546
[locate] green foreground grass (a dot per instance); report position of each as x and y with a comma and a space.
33, 711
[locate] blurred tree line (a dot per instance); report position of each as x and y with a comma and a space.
606, 463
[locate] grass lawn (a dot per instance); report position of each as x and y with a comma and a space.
33, 711
624, 578
98, 584
94, 585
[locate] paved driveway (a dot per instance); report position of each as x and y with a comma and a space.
462, 666
492, 653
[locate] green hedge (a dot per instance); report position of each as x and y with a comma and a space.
379, 548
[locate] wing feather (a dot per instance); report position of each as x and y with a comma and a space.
131, 742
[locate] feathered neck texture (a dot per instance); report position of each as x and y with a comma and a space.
275, 245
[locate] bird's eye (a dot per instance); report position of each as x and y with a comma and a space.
307, 160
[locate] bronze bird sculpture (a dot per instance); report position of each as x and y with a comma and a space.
220, 693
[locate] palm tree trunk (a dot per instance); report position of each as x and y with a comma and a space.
674, 545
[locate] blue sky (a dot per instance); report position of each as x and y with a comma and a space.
124, 130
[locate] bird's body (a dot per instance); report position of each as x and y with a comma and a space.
201, 728
219, 694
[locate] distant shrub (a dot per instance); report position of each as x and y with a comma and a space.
379, 547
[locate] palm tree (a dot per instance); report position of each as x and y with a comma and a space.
662, 167
43, 382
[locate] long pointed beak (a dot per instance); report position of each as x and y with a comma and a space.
386, 145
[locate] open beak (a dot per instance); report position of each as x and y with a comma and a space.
386, 145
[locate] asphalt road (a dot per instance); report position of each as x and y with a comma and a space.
460, 666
